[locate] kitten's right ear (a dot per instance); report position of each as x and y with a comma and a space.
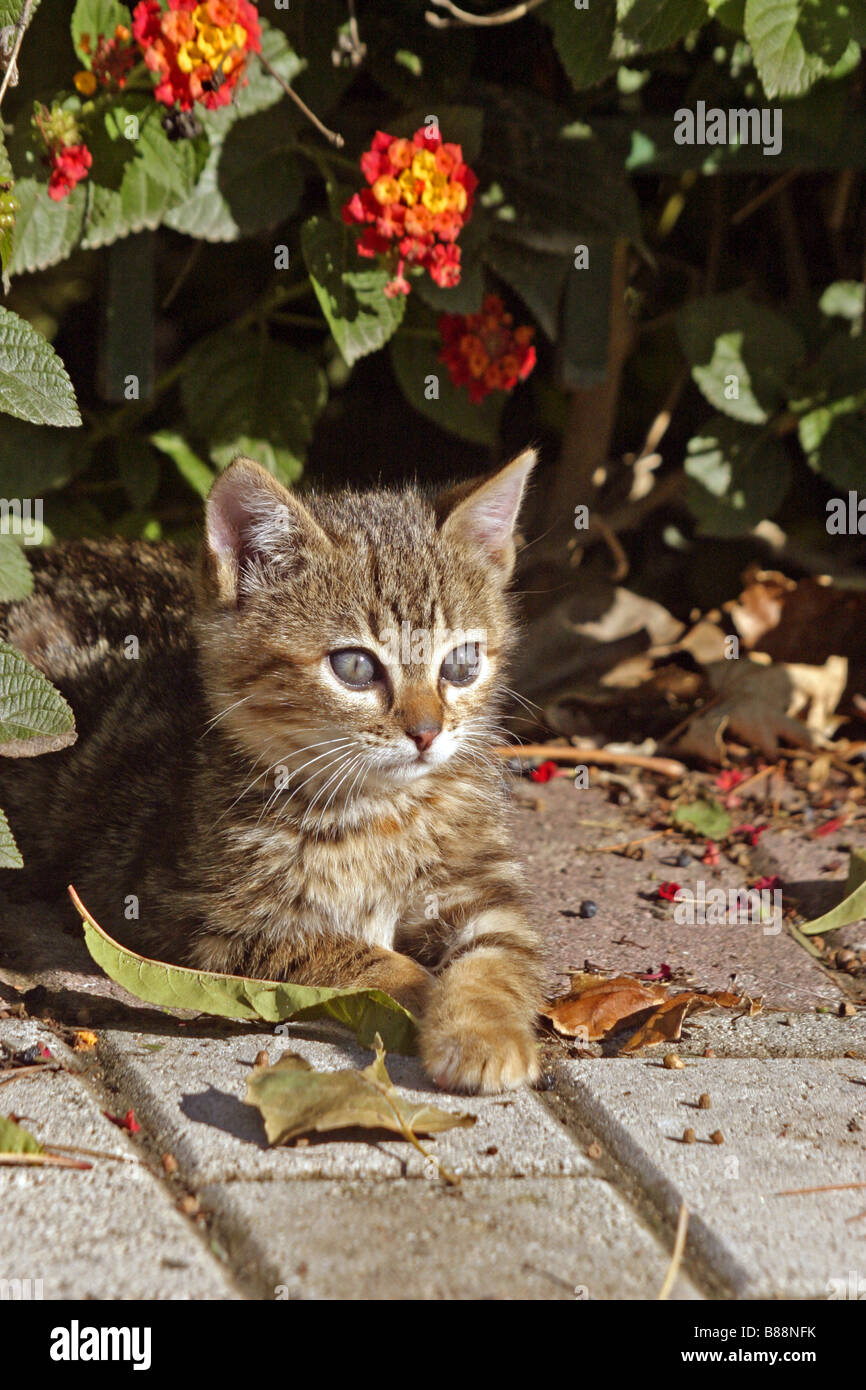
250, 519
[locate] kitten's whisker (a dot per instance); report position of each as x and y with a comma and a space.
358, 758
328, 743
222, 714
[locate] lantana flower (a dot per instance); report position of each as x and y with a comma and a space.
111, 60
198, 51
418, 201
66, 154
483, 351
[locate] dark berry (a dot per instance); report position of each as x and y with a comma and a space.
588, 908
683, 859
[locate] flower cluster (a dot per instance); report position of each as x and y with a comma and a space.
111, 60
418, 200
198, 51
483, 352
67, 156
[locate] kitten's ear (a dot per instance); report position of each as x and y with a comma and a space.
483, 514
250, 517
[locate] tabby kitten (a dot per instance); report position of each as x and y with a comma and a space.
283, 766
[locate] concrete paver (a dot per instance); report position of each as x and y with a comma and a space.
563, 1238
109, 1232
787, 1123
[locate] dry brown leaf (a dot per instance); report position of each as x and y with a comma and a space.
595, 1007
665, 1024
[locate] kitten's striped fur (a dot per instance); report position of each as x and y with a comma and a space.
377, 864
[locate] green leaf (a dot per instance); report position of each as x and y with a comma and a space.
34, 717
416, 364
16, 580
366, 1011
845, 299
16, 1140
582, 39
244, 384
45, 232
190, 467
707, 817
34, 459
838, 446
736, 477
742, 354
34, 385
281, 462
360, 315
851, 909
95, 17
537, 277
654, 24
138, 174
9, 206
138, 470
251, 180
10, 854
794, 42
294, 1099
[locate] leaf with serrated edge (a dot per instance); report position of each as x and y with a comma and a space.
10, 854
34, 384
294, 1099
366, 1011
360, 315
34, 717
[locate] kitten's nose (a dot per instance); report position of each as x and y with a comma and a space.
423, 734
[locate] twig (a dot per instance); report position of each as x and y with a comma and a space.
332, 136
40, 1160
667, 767
11, 73
741, 786
465, 17
409, 1133
95, 1153
677, 1256
830, 1187
764, 196
18, 1072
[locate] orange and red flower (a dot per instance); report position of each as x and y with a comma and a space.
67, 156
111, 60
483, 351
418, 200
198, 50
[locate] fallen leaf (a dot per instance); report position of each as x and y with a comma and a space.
128, 1121
16, 1140
294, 1099
595, 1007
852, 908
366, 1011
706, 816
665, 1024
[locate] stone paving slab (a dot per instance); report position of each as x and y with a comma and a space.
559, 1238
787, 1123
632, 931
111, 1232
189, 1095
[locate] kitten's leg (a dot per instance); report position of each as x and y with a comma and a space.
335, 963
478, 1030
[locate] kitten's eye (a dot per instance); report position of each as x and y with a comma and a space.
355, 667
461, 666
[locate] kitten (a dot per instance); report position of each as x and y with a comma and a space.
283, 767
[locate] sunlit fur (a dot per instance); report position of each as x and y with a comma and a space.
264, 818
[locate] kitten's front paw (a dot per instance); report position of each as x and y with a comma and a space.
477, 1060
473, 1039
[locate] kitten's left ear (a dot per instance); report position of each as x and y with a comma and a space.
484, 517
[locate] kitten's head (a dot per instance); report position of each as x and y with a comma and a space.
355, 642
